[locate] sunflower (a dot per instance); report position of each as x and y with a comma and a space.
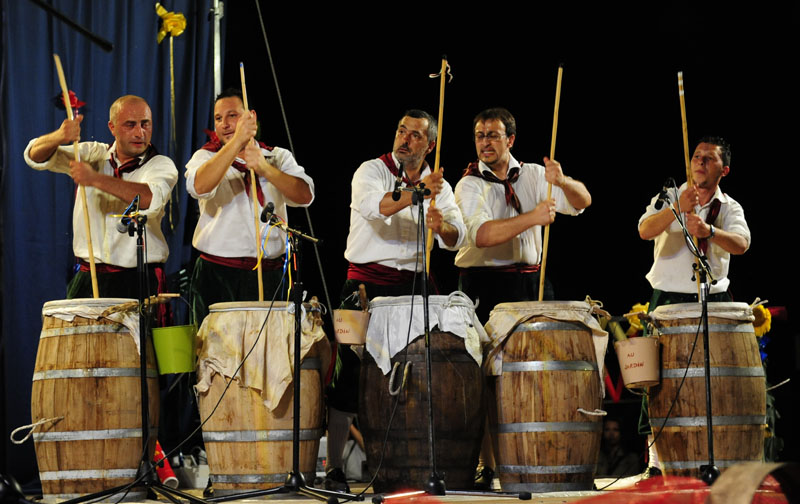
763, 321
633, 320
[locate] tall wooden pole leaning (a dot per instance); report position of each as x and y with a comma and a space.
687, 160
550, 186
81, 189
443, 76
254, 194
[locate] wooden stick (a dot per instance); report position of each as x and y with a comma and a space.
81, 189
443, 77
687, 160
550, 186
254, 194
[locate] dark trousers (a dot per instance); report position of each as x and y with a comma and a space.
490, 288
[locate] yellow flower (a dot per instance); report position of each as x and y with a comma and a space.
763, 322
633, 320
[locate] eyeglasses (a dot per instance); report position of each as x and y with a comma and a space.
492, 137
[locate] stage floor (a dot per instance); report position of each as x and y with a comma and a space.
542, 498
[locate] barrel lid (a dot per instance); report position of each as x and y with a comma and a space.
249, 306
76, 303
728, 310
536, 307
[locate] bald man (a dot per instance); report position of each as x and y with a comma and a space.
113, 176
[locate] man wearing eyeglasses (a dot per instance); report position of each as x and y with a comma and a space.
504, 204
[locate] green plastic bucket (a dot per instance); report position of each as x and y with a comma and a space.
175, 348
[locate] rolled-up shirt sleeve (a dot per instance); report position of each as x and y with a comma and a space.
471, 199
369, 186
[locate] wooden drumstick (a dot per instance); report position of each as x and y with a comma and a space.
442, 75
254, 193
363, 300
549, 185
687, 160
81, 190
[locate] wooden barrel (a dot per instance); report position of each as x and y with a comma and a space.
544, 443
249, 446
737, 388
87, 370
459, 412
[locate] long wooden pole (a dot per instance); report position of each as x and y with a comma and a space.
442, 79
254, 194
549, 185
81, 190
687, 161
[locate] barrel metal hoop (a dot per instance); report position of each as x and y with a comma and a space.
89, 435
259, 435
84, 474
527, 366
549, 427
549, 469
555, 325
249, 478
547, 487
699, 372
700, 421
51, 374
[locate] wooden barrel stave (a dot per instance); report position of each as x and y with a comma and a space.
250, 447
98, 444
738, 395
457, 388
549, 371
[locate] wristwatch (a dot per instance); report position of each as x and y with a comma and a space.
713, 231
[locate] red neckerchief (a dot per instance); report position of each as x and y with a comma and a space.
489, 176
388, 160
134, 163
713, 213
214, 145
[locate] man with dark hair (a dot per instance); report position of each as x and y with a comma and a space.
384, 252
714, 218
504, 204
113, 176
218, 176
381, 246
710, 215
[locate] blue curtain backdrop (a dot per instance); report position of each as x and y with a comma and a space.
37, 206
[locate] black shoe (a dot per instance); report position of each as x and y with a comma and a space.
336, 480
652, 472
209, 491
484, 478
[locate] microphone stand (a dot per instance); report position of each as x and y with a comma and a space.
146, 475
295, 481
708, 472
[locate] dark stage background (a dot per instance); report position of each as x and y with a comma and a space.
347, 75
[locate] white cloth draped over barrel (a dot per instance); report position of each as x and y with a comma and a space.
229, 332
507, 316
120, 310
388, 332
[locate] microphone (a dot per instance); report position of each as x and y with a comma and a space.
397, 182
268, 213
663, 195
124, 222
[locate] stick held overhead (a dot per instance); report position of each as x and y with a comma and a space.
443, 73
546, 239
81, 190
253, 192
